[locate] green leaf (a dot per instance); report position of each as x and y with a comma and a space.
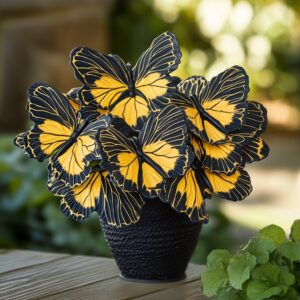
297, 275
260, 247
217, 256
215, 276
239, 268
268, 267
229, 293
286, 277
295, 231
258, 290
290, 250
274, 233
269, 280
264, 283
292, 294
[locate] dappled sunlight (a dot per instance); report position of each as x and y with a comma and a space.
211, 16
229, 46
241, 16
259, 50
256, 35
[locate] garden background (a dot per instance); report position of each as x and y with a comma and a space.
36, 38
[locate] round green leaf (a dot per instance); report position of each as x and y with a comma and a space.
290, 250
274, 233
258, 290
286, 277
214, 278
218, 255
295, 231
239, 268
264, 283
261, 248
269, 280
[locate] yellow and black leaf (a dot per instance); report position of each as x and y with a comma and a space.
132, 110
196, 146
255, 149
219, 158
160, 151
164, 140
186, 194
120, 158
54, 119
192, 86
90, 112
105, 76
235, 187
198, 124
241, 146
152, 71
126, 92
73, 162
119, 207
98, 194
255, 123
80, 201
73, 97
216, 107
57, 133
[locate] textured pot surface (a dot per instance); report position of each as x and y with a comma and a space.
158, 247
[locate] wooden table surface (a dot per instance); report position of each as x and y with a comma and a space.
38, 275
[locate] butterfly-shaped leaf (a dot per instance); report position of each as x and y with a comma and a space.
242, 146
216, 107
235, 187
159, 152
127, 93
57, 133
98, 193
186, 194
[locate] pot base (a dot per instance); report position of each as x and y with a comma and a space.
150, 281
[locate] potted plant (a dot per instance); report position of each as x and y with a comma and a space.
144, 150
267, 267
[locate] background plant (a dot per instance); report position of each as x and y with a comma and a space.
268, 267
29, 214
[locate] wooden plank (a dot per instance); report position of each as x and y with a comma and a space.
117, 288
55, 277
190, 291
17, 259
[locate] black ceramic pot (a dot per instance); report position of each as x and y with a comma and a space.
157, 248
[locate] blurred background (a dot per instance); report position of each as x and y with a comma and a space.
36, 38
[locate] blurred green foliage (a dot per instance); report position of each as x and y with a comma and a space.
29, 214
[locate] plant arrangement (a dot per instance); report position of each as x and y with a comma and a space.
268, 267
131, 137
133, 133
